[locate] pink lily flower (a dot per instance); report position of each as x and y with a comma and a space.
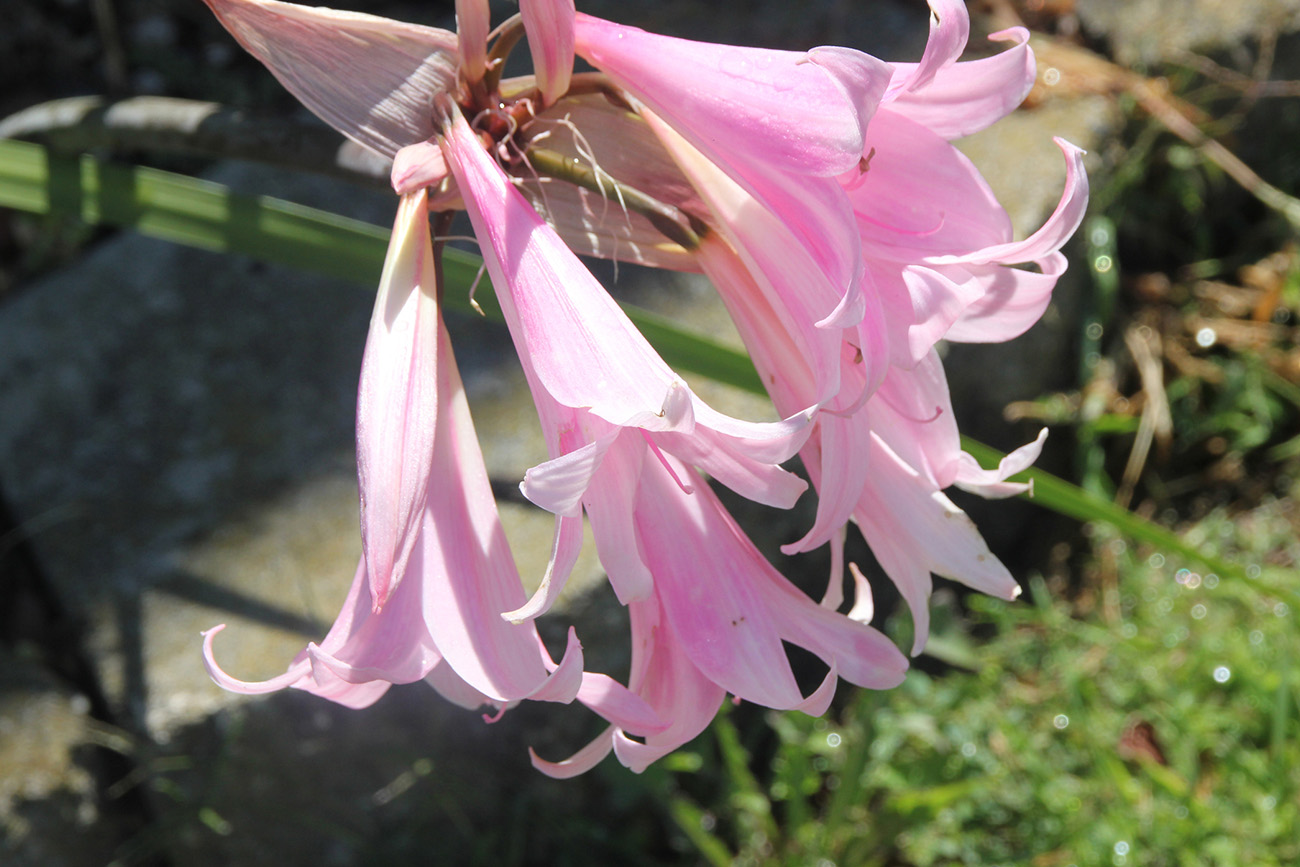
937, 249
735, 106
580, 350
716, 622
441, 622
819, 191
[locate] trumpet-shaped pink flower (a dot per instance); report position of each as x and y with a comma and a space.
442, 621
716, 620
782, 125
582, 352
937, 252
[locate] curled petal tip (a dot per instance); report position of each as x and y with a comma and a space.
1069, 147
1011, 34
225, 681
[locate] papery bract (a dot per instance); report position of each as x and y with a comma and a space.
389, 68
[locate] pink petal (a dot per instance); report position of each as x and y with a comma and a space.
854, 651
450, 686
842, 470
949, 30
610, 509
914, 530
757, 480
565, 548
363, 654
549, 24
934, 302
299, 669
558, 485
473, 21
391, 645
397, 401
417, 166
993, 484
912, 413
392, 69
921, 196
1053, 234
704, 569
1012, 300
664, 675
469, 574
963, 98
619, 705
584, 350
794, 111
577, 764
765, 258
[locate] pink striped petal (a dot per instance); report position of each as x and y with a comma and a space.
583, 349
914, 530
964, 98
665, 676
842, 468
993, 484
473, 21
549, 24
397, 401
922, 196
565, 548
469, 573
766, 265
912, 413
722, 622
949, 30
619, 705
577, 764
1053, 234
393, 69
1012, 300
610, 508
803, 112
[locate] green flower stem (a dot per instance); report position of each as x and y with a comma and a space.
674, 224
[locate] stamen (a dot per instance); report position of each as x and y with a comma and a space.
938, 411
915, 233
864, 165
669, 220
686, 489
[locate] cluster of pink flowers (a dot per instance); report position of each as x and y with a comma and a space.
819, 192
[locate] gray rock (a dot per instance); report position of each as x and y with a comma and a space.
1150, 31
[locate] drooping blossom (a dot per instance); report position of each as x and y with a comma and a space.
846, 236
716, 623
666, 543
441, 622
938, 251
